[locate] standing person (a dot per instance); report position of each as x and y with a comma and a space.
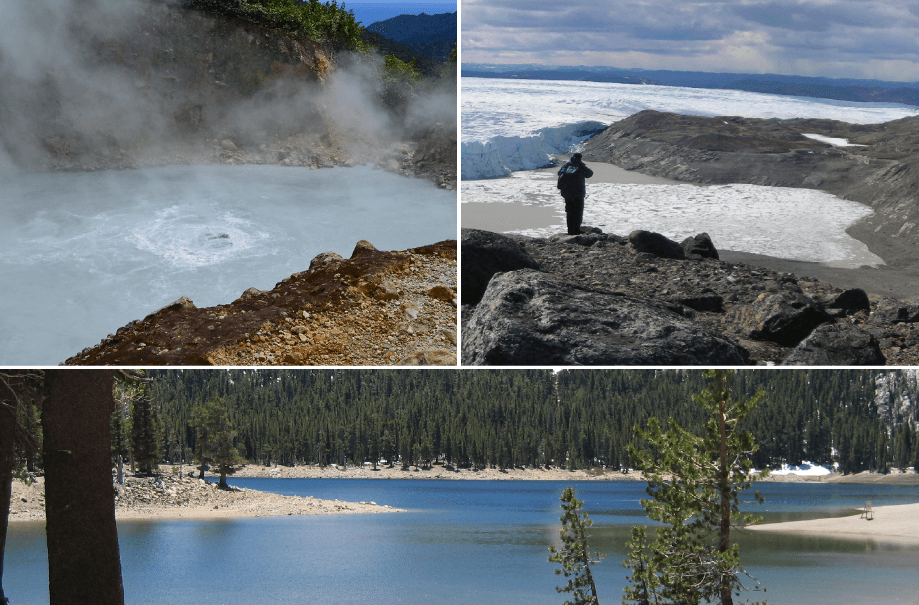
573, 188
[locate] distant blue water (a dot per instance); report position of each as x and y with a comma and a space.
462, 543
368, 13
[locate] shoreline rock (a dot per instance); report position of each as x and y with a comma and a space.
375, 308
169, 496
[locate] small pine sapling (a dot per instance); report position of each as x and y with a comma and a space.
574, 555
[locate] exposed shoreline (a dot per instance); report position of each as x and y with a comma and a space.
173, 497
530, 474
897, 524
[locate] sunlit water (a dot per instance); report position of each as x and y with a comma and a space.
463, 543
510, 127
82, 254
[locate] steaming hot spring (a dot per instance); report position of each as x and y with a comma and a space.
85, 253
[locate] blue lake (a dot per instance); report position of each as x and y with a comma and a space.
463, 542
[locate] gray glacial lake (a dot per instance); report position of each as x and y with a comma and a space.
463, 542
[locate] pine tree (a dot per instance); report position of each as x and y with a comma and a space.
215, 440
574, 556
146, 434
645, 582
695, 483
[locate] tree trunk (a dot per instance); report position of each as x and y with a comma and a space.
7, 459
83, 558
724, 485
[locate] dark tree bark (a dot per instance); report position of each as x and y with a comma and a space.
7, 459
84, 566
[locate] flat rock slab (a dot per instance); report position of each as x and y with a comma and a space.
530, 318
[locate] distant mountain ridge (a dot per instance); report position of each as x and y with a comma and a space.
431, 35
841, 89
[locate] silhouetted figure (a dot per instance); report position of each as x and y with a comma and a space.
573, 188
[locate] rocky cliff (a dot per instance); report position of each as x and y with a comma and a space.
897, 397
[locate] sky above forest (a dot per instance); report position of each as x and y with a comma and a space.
865, 39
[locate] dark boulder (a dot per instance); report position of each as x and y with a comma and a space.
851, 301
840, 344
785, 318
656, 244
483, 254
532, 318
700, 302
699, 246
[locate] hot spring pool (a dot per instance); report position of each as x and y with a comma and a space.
82, 254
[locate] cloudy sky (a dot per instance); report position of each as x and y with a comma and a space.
876, 39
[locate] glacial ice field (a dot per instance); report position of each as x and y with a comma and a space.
510, 125
797, 224
82, 254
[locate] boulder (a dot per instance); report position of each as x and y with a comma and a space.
530, 318
851, 301
785, 318
700, 302
656, 244
890, 312
699, 246
840, 344
484, 254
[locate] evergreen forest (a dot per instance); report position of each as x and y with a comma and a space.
578, 419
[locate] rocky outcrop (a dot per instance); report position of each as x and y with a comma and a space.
484, 254
598, 278
532, 318
784, 317
837, 345
374, 308
897, 396
880, 170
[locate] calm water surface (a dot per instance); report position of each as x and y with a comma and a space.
463, 542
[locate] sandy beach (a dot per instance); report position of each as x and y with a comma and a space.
891, 524
900, 281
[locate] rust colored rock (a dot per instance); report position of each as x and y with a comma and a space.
315, 317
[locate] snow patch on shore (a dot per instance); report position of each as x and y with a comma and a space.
831, 140
803, 469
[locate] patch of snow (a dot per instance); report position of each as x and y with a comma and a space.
831, 141
805, 468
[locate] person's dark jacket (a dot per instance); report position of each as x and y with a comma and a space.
574, 187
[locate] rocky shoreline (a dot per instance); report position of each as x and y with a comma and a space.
374, 308
602, 299
171, 496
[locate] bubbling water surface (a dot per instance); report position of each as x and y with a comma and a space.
84, 253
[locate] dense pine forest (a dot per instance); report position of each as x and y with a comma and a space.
492, 418
504, 418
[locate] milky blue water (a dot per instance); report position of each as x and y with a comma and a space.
462, 542
82, 254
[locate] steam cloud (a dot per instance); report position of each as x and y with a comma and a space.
107, 78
